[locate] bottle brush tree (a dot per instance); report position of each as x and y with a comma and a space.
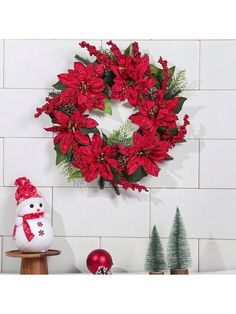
178, 251
155, 259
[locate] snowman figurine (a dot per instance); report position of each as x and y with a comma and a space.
32, 231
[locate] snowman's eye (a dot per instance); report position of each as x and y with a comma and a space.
31, 205
40, 205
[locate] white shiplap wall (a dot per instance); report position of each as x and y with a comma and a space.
201, 180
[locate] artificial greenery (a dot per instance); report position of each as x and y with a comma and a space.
69, 171
177, 85
82, 59
155, 259
178, 251
124, 135
107, 107
108, 53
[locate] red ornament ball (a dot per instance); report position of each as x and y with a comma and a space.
98, 258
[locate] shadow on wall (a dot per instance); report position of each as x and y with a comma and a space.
193, 111
110, 193
8, 213
65, 262
213, 256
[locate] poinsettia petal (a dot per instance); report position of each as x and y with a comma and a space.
124, 150
88, 123
113, 162
133, 164
61, 118
65, 79
150, 83
138, 139
105, 171
97, 141
150, 167
172, 103
89, 71
81, 138
141, 69
159, 156
99, 103
96, 85
58, 137
55, 128
79, 67
133, 98
82, 99
77, 117
85, 154
91, 173
99, 70
138, 119
66, 142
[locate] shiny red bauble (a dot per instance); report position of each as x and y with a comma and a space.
98, 258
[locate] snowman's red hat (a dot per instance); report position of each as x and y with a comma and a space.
25, 190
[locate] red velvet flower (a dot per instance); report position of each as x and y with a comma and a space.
131, 80
152, 115
132, 75
95, 159
86, 83
70, 129
145, 151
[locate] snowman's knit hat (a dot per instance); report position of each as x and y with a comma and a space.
25, 190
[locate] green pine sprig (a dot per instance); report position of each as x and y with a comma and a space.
82, 59
177, 85
69, 171
124, 135
108, 53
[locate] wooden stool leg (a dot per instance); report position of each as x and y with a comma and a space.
34, 266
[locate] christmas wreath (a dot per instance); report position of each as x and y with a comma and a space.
125, 156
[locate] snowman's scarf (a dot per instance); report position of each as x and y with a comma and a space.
28, 233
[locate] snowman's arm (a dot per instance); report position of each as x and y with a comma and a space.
19, 221
46, 215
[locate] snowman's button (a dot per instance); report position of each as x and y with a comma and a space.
41, 233
39, 224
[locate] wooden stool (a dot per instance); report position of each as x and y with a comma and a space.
34, 263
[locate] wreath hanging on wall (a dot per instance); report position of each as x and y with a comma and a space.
123, 157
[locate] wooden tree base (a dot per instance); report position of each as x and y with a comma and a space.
34, 263
179, 271
156, 273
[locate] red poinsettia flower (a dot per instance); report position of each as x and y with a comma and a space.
130, 81
86, 83
70, 129
132, 75
152, 114
145, 151
95, 159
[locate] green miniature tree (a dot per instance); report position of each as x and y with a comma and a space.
178, 251
155, 259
